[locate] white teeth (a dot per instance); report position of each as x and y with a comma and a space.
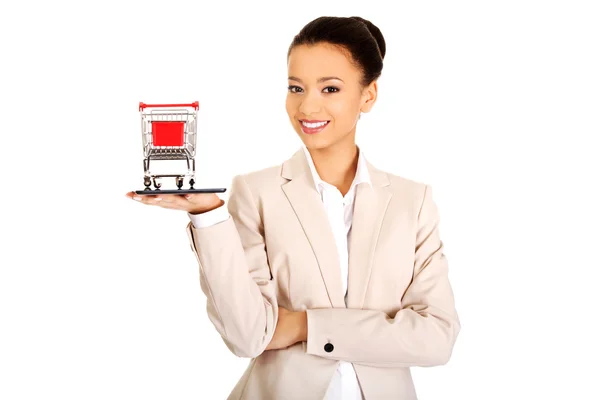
313, 124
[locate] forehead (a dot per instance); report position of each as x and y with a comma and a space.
311, 62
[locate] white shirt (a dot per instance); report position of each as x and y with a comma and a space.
340, 210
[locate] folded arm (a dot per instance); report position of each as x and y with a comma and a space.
422, 333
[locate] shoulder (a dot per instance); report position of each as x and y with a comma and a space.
410, 194
403, 185
270, 177
399, 182
414, 194
260, 180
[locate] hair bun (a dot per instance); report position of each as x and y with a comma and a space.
375, 32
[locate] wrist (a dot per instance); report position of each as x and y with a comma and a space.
302, 326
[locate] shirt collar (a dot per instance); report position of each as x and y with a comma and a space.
362, 172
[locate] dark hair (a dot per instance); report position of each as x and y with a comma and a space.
361, 38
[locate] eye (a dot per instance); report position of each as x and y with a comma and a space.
291, 89
332, 87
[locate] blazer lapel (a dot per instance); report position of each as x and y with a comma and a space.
370, 205
308, 206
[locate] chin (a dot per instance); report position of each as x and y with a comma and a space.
317, 145
313, 142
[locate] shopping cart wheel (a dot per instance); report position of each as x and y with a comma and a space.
157, 185
147, 182
192, 183
179, 181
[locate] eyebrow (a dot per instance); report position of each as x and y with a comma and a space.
323, 79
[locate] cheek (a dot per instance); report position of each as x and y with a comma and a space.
343, 112
290, 106
343, 106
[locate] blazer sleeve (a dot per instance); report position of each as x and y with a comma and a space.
235, 275
421, 333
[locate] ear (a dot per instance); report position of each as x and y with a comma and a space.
369, 97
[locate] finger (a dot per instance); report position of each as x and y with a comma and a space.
174, 200
130, 194
147, 199
190, 197
169, 206
197, 198
134, 196
170, 201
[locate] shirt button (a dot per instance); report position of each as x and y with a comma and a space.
329, 347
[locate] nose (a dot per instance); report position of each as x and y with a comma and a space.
310, 104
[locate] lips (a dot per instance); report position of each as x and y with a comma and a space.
313, 126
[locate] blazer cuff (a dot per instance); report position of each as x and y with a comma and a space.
320, 332
370, 337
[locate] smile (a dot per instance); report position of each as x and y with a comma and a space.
312, 127
313, 124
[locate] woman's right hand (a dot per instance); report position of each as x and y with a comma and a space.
194, 203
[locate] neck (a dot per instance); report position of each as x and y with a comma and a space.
337, 164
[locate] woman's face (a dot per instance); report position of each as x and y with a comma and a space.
325, 98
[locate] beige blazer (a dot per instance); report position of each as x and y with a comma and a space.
278, 250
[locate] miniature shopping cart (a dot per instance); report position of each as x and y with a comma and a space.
169, 133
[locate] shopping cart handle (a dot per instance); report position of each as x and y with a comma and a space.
194, 104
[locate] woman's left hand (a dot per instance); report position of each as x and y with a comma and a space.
291, 328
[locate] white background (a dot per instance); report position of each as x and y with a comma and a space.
495, 104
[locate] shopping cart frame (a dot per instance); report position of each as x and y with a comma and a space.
169, 132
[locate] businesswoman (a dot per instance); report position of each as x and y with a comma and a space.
326, 271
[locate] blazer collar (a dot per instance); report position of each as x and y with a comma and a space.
370, 205
298, 165
362, 171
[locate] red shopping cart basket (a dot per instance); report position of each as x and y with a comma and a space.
169, 133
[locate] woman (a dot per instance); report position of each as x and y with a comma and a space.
326, 271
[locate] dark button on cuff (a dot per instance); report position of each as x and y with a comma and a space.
329, 347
